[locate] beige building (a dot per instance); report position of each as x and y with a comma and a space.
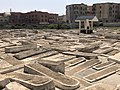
107, 12
75, 10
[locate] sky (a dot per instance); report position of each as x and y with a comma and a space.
52, 6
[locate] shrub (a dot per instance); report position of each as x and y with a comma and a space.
65, 26
53, 26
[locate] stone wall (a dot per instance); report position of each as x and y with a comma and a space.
112, 24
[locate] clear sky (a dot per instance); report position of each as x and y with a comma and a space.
54, 6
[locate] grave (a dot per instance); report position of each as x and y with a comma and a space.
82, 66
16, 49
15, 86
60, 80
102, 74
33, 82
28, 53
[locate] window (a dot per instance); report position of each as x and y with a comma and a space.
76, 12
110, 8
35, 15
76, 16
100, 13
45, 20
32, 15
113, 6
106, 20
110, 13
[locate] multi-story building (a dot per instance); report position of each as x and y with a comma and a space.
36, 17
33, 17
107, 12
15, 18
62, 19
119, 12
89, 11
75, 10
52, 18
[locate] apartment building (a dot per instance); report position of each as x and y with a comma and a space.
36, 17
62, 19
89, 11
119, 12
75, 10
52, 18
33, 17
107, 12
15, 17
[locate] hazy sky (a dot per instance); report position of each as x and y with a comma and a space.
55, 6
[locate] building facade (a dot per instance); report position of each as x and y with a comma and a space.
33, 17
62, 19
89, 11
52, 18
75, 10
4, 18
15, 18
36, 17
107, 12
